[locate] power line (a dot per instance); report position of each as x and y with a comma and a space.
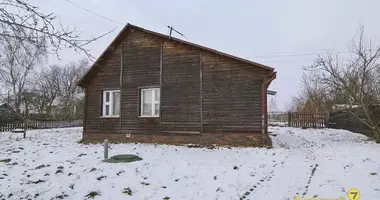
172, 29
286, 61
296, 54
92, 12
337, 51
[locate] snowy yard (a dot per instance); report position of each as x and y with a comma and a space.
50, 164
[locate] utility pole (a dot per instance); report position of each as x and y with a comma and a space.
171, 29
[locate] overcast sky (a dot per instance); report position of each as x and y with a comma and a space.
272, 32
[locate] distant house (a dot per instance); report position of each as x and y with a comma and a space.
7, 114
74, 109
337, 107
57, 109
149, 87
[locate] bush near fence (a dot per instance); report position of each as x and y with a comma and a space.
343, 119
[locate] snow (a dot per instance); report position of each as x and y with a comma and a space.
273, 123
308, 162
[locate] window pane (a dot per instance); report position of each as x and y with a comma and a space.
107, 110
116, 103
157, 94
156, 109
107, 99
147, 109
147, 96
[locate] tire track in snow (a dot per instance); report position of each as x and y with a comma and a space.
307, 148
299, 146
314, 168
265, 179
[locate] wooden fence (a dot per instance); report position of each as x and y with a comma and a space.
7, 125
308, 120
298, 119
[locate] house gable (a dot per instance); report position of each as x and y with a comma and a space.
131, 28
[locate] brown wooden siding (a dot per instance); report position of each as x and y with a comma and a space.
266, 109
231, 95
180, 88
141, 68
227, 91
107, 77
230, 139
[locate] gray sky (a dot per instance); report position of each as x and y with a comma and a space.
252, 29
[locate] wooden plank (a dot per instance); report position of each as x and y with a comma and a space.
161, 58
201, 90
191, 123
121, 86
183, 132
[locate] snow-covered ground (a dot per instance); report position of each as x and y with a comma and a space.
50, 164
281, 124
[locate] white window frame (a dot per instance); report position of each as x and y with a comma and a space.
154, 101
110, 103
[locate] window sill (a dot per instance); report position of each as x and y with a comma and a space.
149, 116
112, 116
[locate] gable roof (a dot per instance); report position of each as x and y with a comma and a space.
122, 33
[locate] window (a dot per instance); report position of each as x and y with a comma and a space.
111, 103
150, 102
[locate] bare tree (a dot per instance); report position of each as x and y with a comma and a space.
55, 91
46, 89
313, 97
26, 33
25, 23
68, 91
355, 80
16, 63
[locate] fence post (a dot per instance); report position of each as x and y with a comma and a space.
105, 149
327, 120
25, 121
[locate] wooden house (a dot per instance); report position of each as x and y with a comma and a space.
150, 87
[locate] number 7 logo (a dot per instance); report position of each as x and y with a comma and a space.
353, 194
